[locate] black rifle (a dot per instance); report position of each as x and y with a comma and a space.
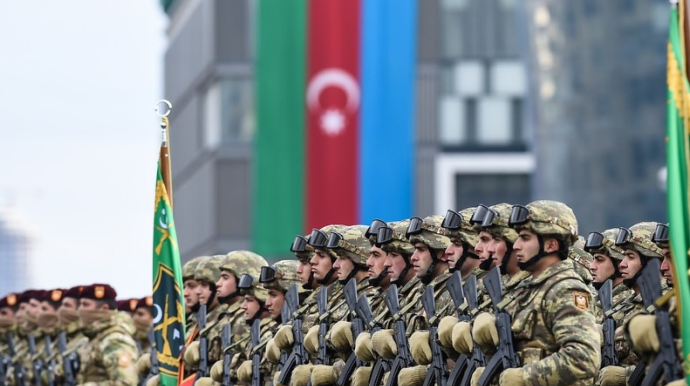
36, 360
256, 352
437, 373
665, 366
297, 356
403, 359
505, 357
70, 361
357, 328
454, 285
324, 321
381, 365
19, 371
203, 370
285, 317
51, 360
226, 341
154, 357
477, 359
608, 350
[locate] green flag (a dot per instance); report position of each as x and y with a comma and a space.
677, 109
169, 318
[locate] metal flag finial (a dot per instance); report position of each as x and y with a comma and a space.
163, 111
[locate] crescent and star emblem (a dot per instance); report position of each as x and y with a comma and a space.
333, 120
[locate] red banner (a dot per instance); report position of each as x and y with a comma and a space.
333, 102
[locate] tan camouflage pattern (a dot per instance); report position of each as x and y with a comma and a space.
208, 270
609, 247
241, 262
499, 226
619, 297
551, 218
189, 267
581, 258
432, 234
216, 320
268, 328
286, 276
327, 230
400, 244
641, 239
466, 232
354, 245
621, 314
554, 330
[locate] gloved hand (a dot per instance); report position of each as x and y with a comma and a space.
384, 344
275, 379
642, 330
154, 380
143, 364
363, 348
284, 338
474, 381
484, 330
361, 376
244, 372
680, 382
462, 338
612, 376
341, 336
412, 376
445, 331
419, 347
191, 354
386, 375
272, 352
301, 375
311, 340
511, 377
217, 371
204, 381
323, 375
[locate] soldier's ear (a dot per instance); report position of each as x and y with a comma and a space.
550, 245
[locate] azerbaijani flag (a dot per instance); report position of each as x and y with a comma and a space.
335, 116
677, 159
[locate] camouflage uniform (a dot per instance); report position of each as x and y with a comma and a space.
188, 274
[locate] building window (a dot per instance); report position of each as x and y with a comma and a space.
229, 112
490, 189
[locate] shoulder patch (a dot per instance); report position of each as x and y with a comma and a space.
581, 300
124, 359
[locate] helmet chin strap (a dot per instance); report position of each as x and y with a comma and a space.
406, 270
307, 285
227, 299
504, 260
429, 275
616, 274
327, 278
630, 283
377, 280
524, 265
352, 274
486, 264
258, 313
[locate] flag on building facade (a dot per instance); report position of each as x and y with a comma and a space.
335, 116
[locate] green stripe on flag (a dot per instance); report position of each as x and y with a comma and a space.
279, 145
677, 178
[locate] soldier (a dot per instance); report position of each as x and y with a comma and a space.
638, 248
26, 330
127, 305
191, 299
302, 250
110, 355
8, 307
143, 321
460, 253
554, 330
70, 326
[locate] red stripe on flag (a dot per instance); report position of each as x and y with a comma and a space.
333, 100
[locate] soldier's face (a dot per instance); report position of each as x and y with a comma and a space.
70, 303
6, 312
601, 267
190, 297
274, 302
227, 284
344, 267
250, 306
395, 263
376, 263
667, 265
47, 307
453, 252
90, 304
482, 247
203, 291
421, 259
143, 316
320, 264
34, 307
304, 271
497, 249
631, 264
21, 310
526, 246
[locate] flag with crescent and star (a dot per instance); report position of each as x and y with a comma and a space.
168, 309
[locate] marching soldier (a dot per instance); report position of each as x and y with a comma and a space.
191, 299
460, 253
143, 321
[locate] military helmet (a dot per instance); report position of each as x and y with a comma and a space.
301, 248
249, 285
392, 238
281, 276
189, 267
660, 237
457, 225
318, 239
428, 231
581, 259
351, 243
496, 222
545, 217
208, 269
240, 262
373, 230
639, 238
605, 243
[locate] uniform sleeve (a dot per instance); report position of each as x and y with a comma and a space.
119, 360
568, 316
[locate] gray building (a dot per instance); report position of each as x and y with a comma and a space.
515, 101
14, 253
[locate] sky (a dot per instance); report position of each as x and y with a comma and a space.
79, 136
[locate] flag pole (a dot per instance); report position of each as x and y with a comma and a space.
163, 109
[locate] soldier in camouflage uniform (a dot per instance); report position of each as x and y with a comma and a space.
638, 248
27, 326
48, 323
376, 261
127, 305
302, 250
143, 321
460, 253
8, 308
554, 330
109, 356
69, 324
191, 299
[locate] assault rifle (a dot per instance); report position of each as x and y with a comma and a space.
505, 357
51, 360
477, 359
403, 359
70, 361
285, 317
437, 373
19, 371
154, 357
203, 370
297, 356
454, 285
381, 365
324, 320
608, 350
357, 328
36, 360
226, 341
256, 352
665, 366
